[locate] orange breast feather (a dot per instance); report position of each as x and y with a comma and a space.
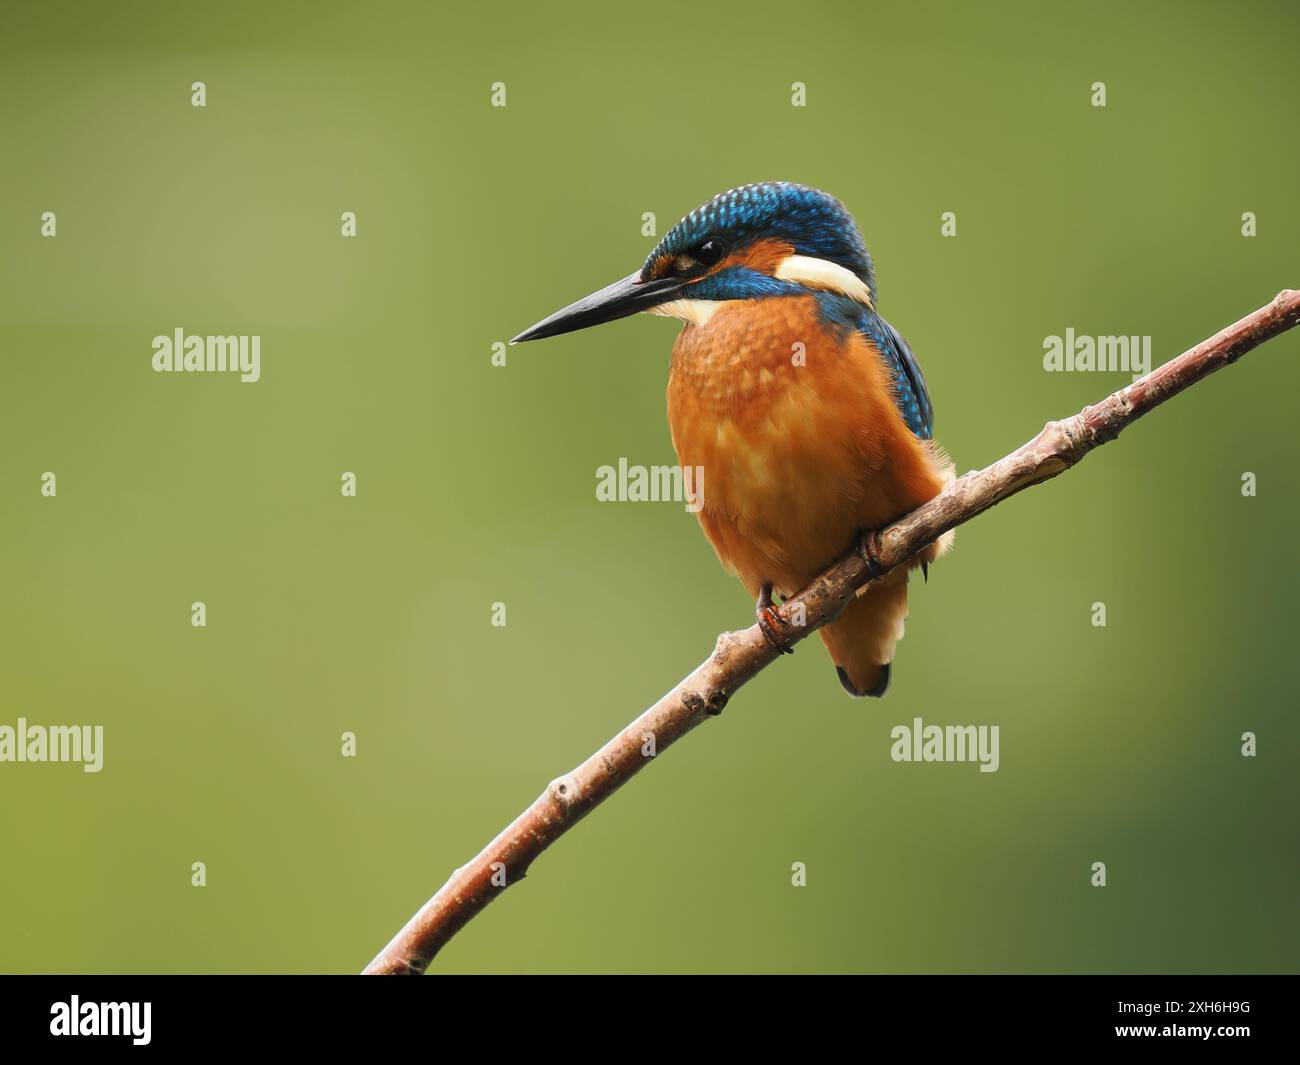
801, 444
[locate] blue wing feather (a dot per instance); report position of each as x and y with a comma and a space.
911, 394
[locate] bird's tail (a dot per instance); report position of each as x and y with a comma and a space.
862, 639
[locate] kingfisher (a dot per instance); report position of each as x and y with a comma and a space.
806, 410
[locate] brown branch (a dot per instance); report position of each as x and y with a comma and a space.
738, 656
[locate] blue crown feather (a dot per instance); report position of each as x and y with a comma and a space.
813, 222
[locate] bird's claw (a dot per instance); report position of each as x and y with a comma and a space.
869, 551
770, 622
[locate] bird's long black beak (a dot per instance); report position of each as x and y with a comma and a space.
616, 301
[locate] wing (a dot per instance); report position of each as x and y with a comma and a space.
912, 396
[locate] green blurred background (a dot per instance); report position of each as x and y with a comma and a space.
476, 485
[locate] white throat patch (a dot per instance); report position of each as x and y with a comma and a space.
693, 312
823, 274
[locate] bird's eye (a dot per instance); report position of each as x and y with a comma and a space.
708, 253
704, 254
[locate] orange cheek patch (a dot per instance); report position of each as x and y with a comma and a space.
763, 255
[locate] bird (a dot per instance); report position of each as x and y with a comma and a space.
807, 411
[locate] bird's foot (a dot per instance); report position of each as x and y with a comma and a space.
770, 621
869, 549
